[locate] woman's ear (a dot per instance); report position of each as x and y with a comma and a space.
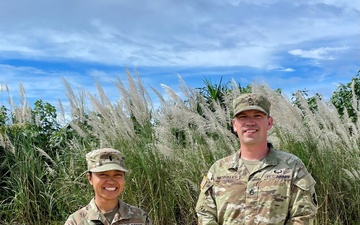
88, 176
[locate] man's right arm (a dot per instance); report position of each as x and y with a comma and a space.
206, 209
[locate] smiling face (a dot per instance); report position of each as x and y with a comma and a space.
251, 127
107, 185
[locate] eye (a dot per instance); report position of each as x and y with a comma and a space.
120, 175
259, 115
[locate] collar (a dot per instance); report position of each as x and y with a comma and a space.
270, 159
95, 213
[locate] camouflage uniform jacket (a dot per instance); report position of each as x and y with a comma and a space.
279, 191
91, 215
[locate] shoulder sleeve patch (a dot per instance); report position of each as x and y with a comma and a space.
203, 182
206, 183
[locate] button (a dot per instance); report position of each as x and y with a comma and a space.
251, 192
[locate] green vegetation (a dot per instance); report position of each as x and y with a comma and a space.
168, 149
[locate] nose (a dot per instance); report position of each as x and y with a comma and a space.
250, 121
110, 179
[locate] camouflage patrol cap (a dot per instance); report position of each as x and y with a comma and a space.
105, 159
251, 101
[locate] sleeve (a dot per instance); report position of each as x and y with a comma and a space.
303, 204
206, 209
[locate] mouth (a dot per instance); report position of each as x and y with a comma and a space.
250, 131
110, 188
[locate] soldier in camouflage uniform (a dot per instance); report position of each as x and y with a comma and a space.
258, 184
106, 173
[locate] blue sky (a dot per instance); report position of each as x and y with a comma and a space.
293, 45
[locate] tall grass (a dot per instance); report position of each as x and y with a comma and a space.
329, 147
168, 149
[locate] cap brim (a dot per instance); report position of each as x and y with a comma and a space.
108, 167
250, 108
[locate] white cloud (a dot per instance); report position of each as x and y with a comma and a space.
287, 70
324, 53
234, 35
165, 33
353, 5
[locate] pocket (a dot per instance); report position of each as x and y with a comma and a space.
306, 182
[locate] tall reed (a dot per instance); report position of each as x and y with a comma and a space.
168, 150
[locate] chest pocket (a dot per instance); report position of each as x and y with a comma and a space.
276, 185
229, 188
